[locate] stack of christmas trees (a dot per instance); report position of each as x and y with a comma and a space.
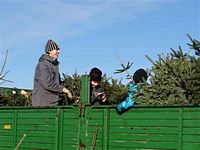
174, 79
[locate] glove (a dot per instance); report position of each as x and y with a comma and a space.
66, 91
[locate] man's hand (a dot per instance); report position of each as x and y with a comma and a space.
66, 91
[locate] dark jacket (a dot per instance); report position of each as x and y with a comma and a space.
94, 99
47, 84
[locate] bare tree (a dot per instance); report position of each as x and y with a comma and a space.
2, 74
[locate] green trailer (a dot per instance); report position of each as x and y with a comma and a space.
86, 127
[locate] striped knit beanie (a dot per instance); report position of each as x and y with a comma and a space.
51, 45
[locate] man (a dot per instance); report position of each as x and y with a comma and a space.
47, 83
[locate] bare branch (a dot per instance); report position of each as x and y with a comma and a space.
4, 62
2, 76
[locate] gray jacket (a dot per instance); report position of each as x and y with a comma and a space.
47, 84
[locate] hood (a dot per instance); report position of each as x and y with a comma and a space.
48, 58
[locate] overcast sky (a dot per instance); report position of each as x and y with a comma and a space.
92, 33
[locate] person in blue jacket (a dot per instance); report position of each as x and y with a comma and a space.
138, 78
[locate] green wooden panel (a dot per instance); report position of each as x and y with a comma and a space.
191, 115
6, 144
191, 123
6, 114
192, 131
70, 134
191, 146
134, 148
39, 114
6, 138
37, 139
37, 146
90, 129
68, 129
69, 114
31, 121
147, 110
7, 129
5, 121
144, 137
191, 138
142, 130
145, 115
84, 89
191, 109
70, 121
71, 129
42, 127
71, 147
145, 123
94, 122
33, 133
69, 141
6, 132
114, 144
96, 116
176, 128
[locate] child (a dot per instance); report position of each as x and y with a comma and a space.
138, 78
97, 94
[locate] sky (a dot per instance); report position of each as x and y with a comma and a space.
92, 33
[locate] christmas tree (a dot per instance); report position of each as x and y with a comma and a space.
174, 78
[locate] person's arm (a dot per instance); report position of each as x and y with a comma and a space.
128, 102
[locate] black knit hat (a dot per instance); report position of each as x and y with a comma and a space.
95, 74
140, 76
51, 45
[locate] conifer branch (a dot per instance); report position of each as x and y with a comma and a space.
124, 68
